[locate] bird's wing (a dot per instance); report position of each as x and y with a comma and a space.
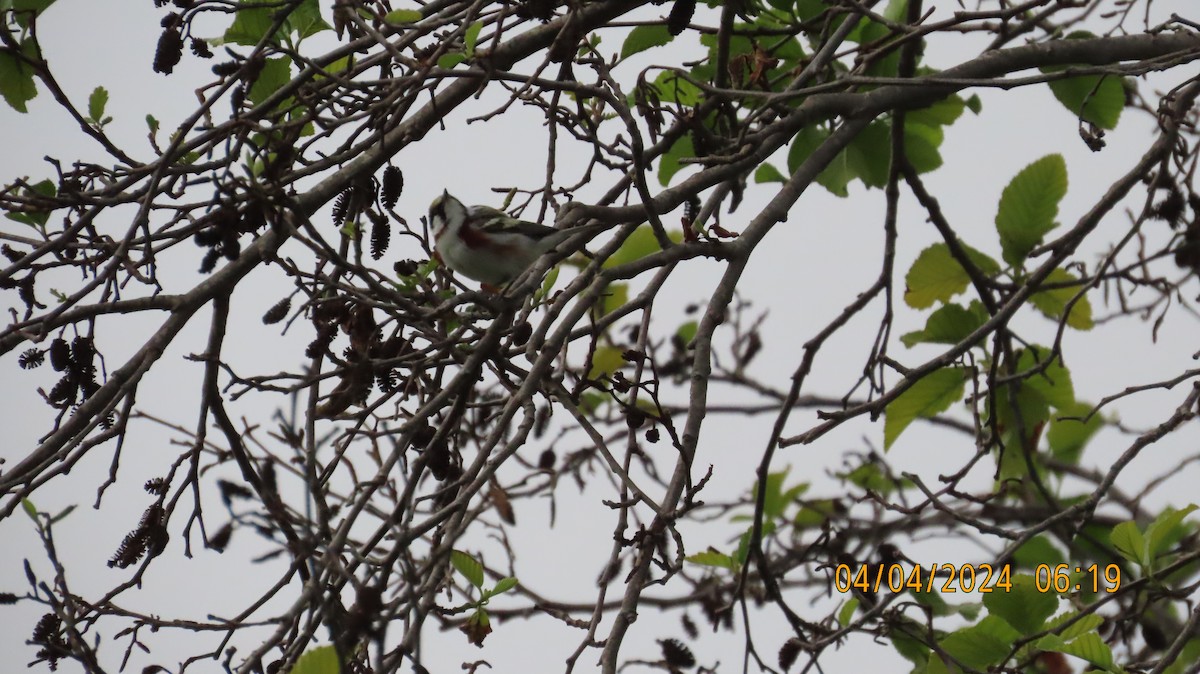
495, 221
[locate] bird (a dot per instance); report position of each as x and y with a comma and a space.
488, 245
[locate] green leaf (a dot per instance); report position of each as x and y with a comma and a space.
687, 332
615, 296
43, 188
467, 566
152, 124
846, 613
29, 509
931, 395
605, 361
975, 104
942, 113
503, 585
921, 144
306, 19
775, 500
674, 89
642, 38
982, 645
1081, 626
1089, 646
949, 325
249, 25
1053, 302
1029, 205
936, 276
276, 72
96, 104
836, 176
1052, 383
1128, 540
871, 477
320, 660
471, 37
766, 173
869, 155
638, 245
450, 60
16, 80
403, 16
1037, 551
815, 512
1069, 434
671, 161
25, 11
713, 558
1023, 606
1165, 531
1098, 99
910, 647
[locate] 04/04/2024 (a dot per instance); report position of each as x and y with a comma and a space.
954, 578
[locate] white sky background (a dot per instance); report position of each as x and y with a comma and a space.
810, 267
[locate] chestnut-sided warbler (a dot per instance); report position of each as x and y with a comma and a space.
489, 245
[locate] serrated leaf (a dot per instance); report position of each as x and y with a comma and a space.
638, 245
674, 89
1128, 540
305, 19
1098, 99
605, 361
1081, 626
96, 104
1029, 205
713, 558
43, 188
941, 113
615, 296
1023, 606
642, 38
1165, 530
979, 646
922, 145
250, 25
1089, 646
950, 324
16, 81
687, 332
25, 11
846, 613
766, 173
276, 72
471, 36
320, 660
503, 585
1068, 434
909, 647
1052, 381
931, 395
403, 16
1053, 302
836, 176
671, 161
448, 61
1037, 551
467, 566
935, 276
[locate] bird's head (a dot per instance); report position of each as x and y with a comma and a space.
446, 215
